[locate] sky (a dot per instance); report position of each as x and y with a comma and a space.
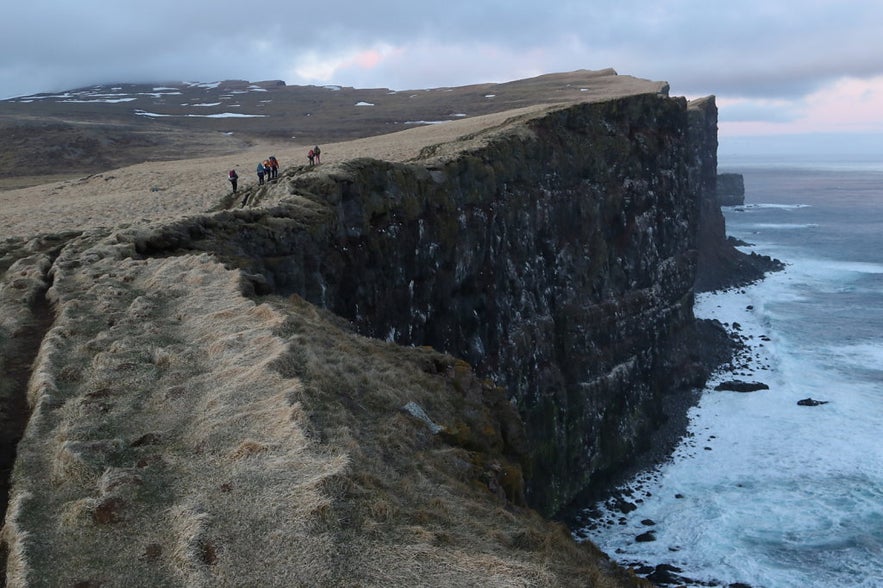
808, 73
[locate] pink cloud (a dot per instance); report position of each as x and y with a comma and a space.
369, 58
848, 105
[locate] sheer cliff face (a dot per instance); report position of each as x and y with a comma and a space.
558, 258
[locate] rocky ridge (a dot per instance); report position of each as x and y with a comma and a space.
194, 401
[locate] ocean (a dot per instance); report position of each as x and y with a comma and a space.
762, 491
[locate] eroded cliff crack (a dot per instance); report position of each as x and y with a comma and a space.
26, 318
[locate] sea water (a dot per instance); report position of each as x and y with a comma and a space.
763, 491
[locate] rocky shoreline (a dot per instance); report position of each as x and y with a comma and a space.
725, 351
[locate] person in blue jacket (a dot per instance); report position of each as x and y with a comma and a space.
261, 171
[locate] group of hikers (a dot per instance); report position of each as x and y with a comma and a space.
269, 169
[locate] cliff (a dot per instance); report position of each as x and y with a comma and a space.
205, 397
558, 259
720, 264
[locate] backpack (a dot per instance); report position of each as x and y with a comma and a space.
232, 174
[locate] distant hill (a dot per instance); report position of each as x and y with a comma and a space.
94, 129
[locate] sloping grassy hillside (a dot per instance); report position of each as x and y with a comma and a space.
186, 432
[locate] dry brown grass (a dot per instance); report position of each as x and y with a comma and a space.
212, 474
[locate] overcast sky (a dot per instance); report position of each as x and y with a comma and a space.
776, 66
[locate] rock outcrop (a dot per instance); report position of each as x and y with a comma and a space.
720, 264
730, 189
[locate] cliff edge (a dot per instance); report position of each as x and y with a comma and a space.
381, 371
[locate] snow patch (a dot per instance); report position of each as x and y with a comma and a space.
219, 115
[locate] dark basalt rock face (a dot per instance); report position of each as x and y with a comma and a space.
559, 259
720, 264
730, 189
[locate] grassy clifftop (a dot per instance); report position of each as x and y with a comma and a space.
188, 428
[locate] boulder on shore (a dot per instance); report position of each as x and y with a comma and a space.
811, 402
741, 386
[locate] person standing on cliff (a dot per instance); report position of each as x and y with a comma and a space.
316, 152
312, 157
274, 167
233, 177
261, 171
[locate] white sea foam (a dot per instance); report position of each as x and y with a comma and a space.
867, 355
786, 226
763, 205
858, 267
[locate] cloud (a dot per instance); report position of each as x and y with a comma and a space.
845, 105
404, 67
773, 61
758, 110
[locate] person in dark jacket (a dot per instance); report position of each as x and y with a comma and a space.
234, 178
316, 153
